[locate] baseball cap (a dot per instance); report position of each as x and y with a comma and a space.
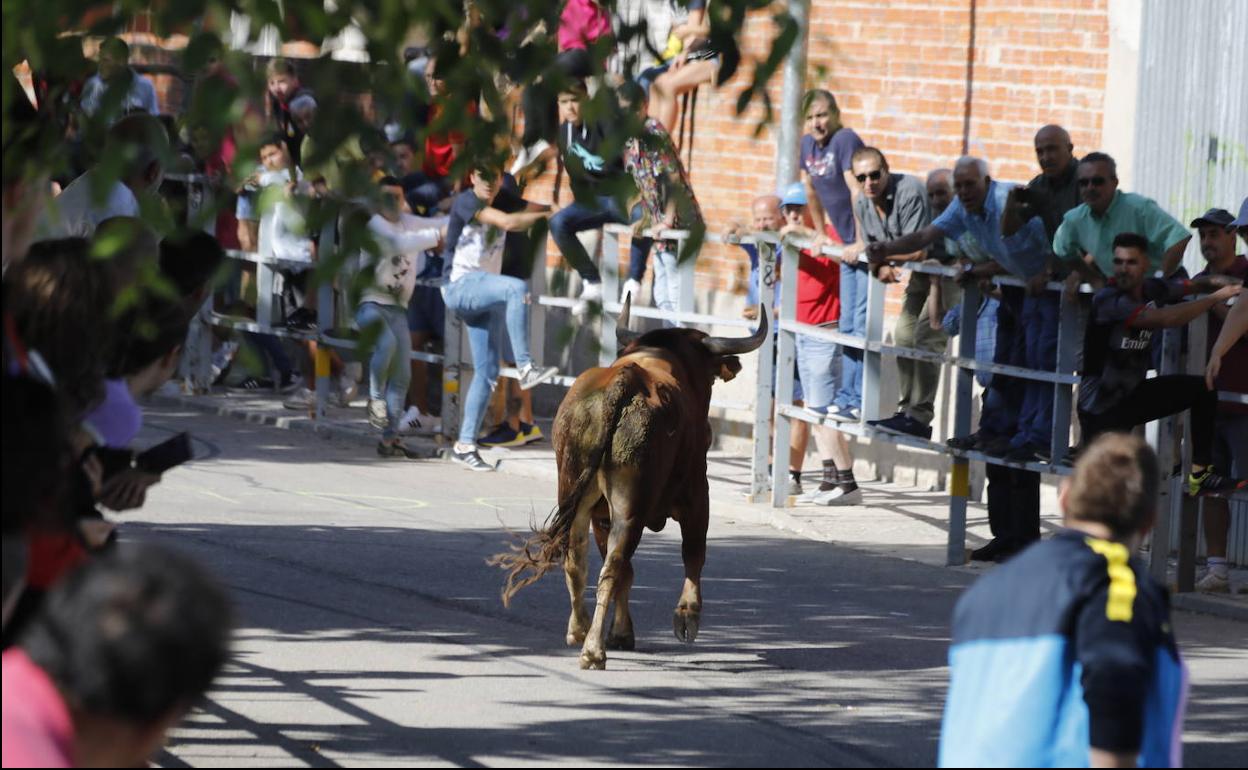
794, 195
1215, 217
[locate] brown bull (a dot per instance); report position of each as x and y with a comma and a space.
631, 441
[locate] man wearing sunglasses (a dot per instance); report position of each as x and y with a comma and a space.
891, 206
1086, 236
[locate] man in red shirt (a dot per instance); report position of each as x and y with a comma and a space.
819, 360
1216, 230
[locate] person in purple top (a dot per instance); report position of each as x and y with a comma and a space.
826, 155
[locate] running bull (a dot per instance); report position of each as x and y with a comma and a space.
631, 441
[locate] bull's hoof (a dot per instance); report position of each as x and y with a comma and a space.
621, 642
594, 661
685, 624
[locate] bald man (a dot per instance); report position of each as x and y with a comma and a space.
765, 216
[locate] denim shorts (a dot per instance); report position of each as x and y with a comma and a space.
819, 364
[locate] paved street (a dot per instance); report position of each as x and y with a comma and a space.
371, 632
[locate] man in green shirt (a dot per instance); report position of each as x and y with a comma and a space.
1086, 235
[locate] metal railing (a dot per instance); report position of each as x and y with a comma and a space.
1178, 512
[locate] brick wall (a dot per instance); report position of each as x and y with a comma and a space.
899, 71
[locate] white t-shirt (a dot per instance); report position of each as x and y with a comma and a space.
403, 246
283, 229
75, 211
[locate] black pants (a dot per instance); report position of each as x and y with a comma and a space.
1013, 505
1157, 398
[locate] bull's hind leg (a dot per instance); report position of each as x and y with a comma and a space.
576, 565
693, 524
616, 572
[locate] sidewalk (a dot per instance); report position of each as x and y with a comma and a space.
894, 520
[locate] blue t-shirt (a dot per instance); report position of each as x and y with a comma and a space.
827, 166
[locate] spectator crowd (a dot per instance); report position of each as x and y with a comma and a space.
103, 300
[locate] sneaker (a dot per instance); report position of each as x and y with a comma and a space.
470, 459
838, 495
530, 433
905, 425
591, 292
289, 383
821, 412
502, 435
348, 387
532, 376
301, 320
1021, 454
378, 417
397, 450
989, 552
1214, 583
252, 384
1210, 484
415, 421
302, 398
222, 358
844, 414
632, 287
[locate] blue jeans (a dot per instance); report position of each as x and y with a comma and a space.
576, 218
485, 302
819, 368
272, 348
1040, 322
1004, 398
389, 368
854, 282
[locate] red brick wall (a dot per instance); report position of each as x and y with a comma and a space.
898, 69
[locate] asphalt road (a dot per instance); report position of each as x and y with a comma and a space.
371, 631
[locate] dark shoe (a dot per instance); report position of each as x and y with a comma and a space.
397, 450
989, 552
503, 435
906, 425
996, 446
1021, 454
1210, 484
301, 320
530, 433
252, 384
887, 422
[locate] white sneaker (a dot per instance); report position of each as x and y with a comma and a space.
631, 286
1214, 583
301, 399
837, 496
348, 388
532, 376
378, 416
415, 421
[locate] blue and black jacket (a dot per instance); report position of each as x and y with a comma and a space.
1065, 647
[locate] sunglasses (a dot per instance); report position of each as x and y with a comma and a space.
874, 176
1095, 181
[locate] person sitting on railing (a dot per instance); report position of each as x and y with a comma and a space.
893, 205
1230, 439
484, 299
695, 63
1115, 393
401, 239
826, 153
819, 360
667, 201
595, 180
1086, 236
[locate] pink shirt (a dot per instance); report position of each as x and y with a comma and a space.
581, 23
37, 729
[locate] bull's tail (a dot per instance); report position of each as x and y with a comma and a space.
532, 557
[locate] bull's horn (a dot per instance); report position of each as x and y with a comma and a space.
738, 345
624, 335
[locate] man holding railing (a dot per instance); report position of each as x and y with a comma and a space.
1116, 394
974, 220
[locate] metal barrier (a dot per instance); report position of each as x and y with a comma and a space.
1177, 511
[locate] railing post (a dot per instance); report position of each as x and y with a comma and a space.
872, 359
452, 374
610, 272
1191, 509
964, 385
1069, 345
1163, 442
687, 272
324, 318
786, 355
537, 311
760, 480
